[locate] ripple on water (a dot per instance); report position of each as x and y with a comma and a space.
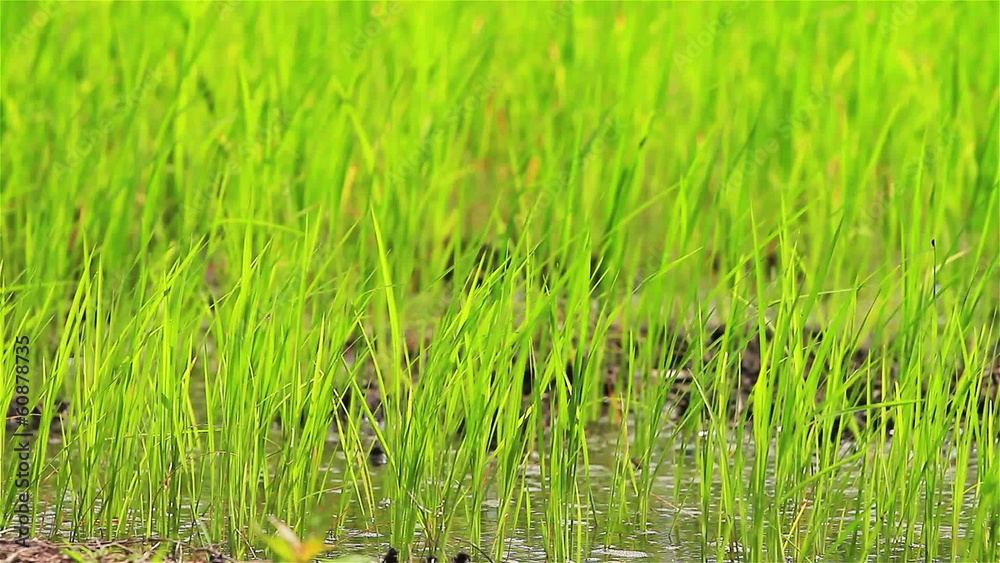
623, 553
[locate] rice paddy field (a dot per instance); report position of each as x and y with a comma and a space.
548, 281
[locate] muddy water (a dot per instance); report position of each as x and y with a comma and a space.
675, 522
674, 525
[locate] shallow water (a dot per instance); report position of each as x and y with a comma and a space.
674, 528
679, 527
675, 523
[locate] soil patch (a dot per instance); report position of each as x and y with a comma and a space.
135, 551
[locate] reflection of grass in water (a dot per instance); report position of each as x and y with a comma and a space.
342, 221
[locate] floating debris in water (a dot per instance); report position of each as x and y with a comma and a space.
32, 421
377, 456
